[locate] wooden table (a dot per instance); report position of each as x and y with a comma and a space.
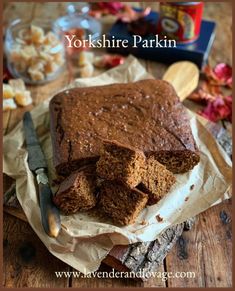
205, 250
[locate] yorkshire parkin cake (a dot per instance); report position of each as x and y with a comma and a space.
146, 115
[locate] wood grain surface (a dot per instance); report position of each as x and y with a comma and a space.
205, 250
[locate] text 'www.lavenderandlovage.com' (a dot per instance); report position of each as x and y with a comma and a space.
164, 276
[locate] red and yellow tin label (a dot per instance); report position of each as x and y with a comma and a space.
180, 20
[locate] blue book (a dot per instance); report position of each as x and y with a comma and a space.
196, 52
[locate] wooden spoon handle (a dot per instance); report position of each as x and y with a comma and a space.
184, 77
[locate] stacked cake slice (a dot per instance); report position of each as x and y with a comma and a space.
128, 181
78, 191
126, 172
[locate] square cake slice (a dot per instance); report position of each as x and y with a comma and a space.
120, 162
121, 203
156, 180
77, 191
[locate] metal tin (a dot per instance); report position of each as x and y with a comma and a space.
180, 20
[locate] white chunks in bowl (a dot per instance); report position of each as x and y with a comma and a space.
37, 53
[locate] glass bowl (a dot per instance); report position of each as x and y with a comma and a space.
34, 51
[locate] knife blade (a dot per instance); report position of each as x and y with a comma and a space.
50, 216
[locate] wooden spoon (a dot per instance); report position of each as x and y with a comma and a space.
184, 77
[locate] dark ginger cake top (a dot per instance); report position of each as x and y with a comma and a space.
146, 115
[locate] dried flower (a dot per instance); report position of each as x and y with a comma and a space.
218, 109
207, 92
218, 106
110, 7
108, 61
220, 75
104, 8
122, 11
224, 73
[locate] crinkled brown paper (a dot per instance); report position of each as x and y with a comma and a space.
85, 240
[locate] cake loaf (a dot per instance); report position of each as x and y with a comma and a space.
146, 115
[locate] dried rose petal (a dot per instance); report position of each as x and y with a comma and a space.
114, 61
228, 101
218, 106
223, 72
111, 7
207, 92
211, 88
218, 109
104, 8
230, 82
221, 75
109, 61
208, 71
124, 12
201, 96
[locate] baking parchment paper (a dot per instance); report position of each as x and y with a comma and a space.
86, 238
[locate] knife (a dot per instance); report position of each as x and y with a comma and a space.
50, 216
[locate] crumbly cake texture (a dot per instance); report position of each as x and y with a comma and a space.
77, 191
120, 162
120, 202
146, 115
156, 180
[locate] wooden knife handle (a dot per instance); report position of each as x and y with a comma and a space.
50, 215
